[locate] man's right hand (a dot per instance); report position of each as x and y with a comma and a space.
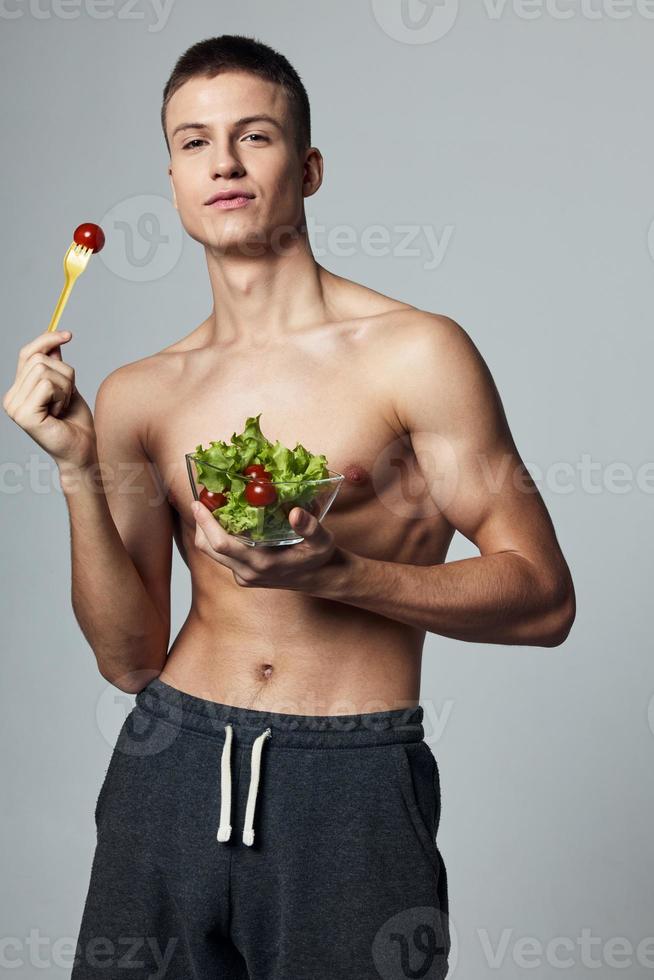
44, 401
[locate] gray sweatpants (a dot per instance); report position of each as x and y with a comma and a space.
254, 845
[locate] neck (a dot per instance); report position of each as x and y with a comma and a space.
260, 299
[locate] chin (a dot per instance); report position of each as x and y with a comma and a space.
219, 236
248, 242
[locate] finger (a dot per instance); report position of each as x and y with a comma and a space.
216, 536
307, 525
202, 544
228, 552
38, 404
46, 343
25, 366
67, 370
36, 371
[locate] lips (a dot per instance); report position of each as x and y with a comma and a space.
230, 196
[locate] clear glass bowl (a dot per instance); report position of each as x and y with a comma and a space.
270, 522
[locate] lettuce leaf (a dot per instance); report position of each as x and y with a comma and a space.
293, 466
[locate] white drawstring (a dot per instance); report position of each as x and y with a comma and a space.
225, 828
255, 763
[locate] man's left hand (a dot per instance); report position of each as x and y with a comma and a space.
292, 567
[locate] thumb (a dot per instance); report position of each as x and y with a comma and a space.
199, 511
304, 522
63, 336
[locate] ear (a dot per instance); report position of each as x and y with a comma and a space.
172, 187
312, 172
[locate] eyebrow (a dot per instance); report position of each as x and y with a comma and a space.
246, 120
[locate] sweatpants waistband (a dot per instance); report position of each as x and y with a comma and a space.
187, 711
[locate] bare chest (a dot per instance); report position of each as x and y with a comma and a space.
332, 401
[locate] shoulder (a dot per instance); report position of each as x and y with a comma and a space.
134, 389
127, 395
132, 379
429, 331
437, 370
415, 340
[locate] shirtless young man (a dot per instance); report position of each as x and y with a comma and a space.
296, 674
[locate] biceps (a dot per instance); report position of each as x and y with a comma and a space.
486, 493
450, 405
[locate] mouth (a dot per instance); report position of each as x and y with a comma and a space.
230, 200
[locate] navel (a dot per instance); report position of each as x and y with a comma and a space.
266, 670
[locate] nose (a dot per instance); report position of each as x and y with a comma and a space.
226, 163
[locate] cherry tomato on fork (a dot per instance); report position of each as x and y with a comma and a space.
89, 235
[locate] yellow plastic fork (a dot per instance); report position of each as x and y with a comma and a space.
76, 260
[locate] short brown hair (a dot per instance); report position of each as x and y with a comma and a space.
238, 53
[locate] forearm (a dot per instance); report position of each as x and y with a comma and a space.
110, 602
496, 598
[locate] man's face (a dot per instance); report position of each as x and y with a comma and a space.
225, 154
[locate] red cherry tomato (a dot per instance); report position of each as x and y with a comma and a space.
258, 470
212, 499
260, 494
89, 235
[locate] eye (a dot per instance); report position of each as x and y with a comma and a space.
191, 142
257, 136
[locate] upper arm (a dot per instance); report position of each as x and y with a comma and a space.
133, 488
449, 404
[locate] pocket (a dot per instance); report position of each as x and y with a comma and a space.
116, 754
99, 806
419, 786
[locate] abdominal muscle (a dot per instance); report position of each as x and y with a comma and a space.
277, 650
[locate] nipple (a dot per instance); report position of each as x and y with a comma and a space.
356, 474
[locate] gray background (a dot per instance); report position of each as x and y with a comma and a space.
522, 138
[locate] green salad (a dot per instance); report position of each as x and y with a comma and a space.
255, 506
